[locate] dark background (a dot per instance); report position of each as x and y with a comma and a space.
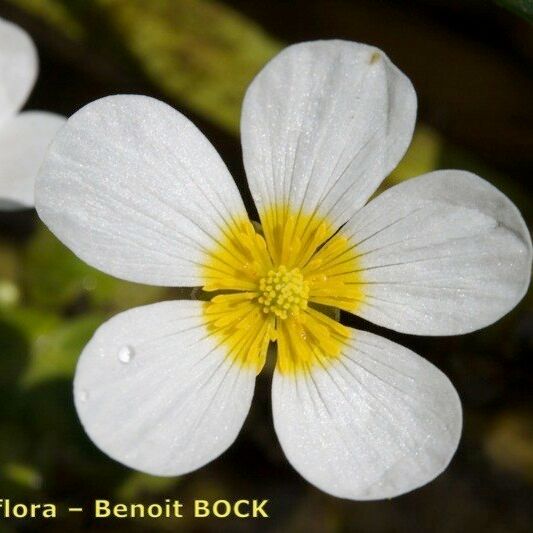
470, 63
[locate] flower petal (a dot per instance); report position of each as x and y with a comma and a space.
154, 391
377, 422
134, 189
18, 68
323, 123
442, 254
24, 140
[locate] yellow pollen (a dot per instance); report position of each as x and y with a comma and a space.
283, 292
275, 285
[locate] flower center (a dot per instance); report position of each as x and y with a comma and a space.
283, 292
266, 281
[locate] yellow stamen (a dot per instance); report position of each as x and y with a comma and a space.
239, 260
283, 292
268, 287
302, 345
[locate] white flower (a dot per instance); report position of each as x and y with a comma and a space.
133, 188
24, 137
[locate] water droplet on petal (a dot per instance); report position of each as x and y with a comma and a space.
125, 354
84, 395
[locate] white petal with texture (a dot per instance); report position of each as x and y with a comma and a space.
442, 254
18, 68
379, 422
323, 123
158, 394
24, 140
135, 189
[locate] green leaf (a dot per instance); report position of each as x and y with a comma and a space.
54, 13
54, 354
36, 407
23, 475
14, 353
9, 274
32, 322
9, 293
20, 330
10, 261
19, 478
200, 52
57, 280
524, 8
37, 346
138, 486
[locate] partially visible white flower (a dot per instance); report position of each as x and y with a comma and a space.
133, 188
24, 137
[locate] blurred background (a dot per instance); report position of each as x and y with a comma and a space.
471, 64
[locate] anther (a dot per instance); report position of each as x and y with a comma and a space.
284, 292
